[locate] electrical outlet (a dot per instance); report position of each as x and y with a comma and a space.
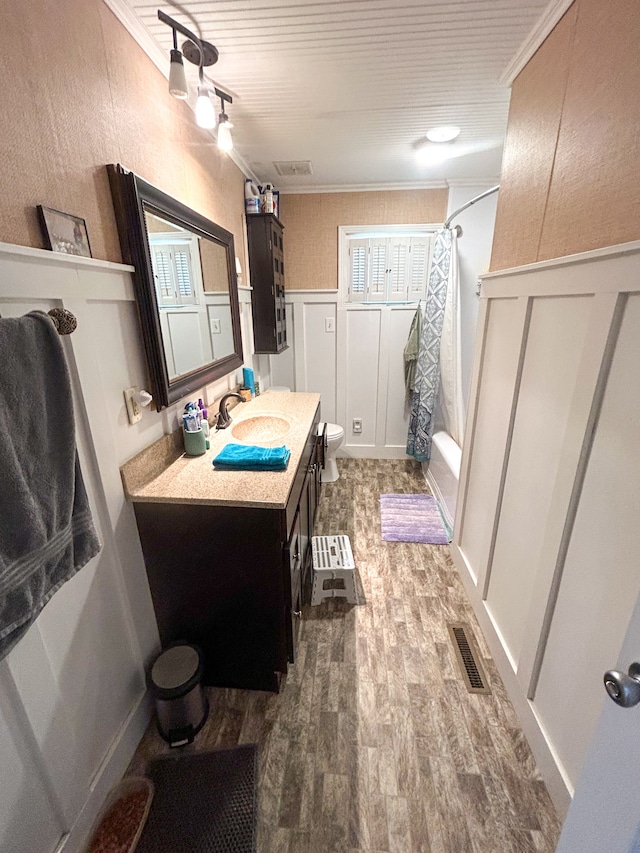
356, 426
329, 324
134, 409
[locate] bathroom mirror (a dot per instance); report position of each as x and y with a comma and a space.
186, 287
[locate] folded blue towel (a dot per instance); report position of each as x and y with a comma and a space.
247, 457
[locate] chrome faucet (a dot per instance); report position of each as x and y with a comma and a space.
223, 419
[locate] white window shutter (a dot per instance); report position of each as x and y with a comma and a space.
419, 256
391, 269
184, 276
378, 270
162, 273
358, 269
399, 267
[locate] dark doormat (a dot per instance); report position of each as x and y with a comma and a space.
203, 803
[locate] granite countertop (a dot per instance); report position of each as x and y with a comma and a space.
164, 474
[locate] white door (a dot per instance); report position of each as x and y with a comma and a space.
604, 816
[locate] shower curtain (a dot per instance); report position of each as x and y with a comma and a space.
450, 402
440, 336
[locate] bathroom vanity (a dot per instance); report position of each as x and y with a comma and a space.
226, 551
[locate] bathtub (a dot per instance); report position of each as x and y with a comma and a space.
443, 473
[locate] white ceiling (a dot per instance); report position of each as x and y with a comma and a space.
353, 85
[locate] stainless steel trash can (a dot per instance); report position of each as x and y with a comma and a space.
181, 704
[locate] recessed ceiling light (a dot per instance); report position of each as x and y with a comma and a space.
443, 134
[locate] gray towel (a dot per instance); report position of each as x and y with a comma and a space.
411, 350
46, 529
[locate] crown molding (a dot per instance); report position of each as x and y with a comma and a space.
137, 30
361, 188
454, 183
550, 17
134, 26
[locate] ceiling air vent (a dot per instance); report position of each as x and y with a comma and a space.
292, 168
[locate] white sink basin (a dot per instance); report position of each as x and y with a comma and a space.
261, 429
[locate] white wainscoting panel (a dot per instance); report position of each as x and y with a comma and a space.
601, 575
319, 362
283, 365
362, 365
556, 337
358, 368
505, 327
395, 411
75, 683
547, 540
28, 819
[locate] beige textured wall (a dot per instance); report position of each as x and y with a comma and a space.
80, 93
570, 178
311, 223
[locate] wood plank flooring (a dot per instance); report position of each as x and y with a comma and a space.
374, 745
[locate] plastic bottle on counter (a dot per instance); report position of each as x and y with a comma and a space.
251, 197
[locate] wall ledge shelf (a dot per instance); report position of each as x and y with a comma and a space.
59, 258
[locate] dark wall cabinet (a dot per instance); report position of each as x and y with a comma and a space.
230, 578
266, 266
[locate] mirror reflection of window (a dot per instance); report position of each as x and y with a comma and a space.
173, 270
191, 281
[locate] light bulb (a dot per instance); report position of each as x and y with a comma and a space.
225, 142
443, 134
205, 111
177, 77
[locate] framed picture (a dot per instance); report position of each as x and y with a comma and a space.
64, 232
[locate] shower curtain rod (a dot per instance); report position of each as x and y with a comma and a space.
469, 203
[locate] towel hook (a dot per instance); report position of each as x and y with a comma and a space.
64, 321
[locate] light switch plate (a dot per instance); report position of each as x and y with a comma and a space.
134, 409
329, 324
356, 426
215, 327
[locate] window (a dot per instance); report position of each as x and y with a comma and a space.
388, 269
173, 271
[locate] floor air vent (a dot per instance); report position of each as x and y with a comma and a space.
468, 658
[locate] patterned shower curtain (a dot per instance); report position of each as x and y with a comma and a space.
425, 395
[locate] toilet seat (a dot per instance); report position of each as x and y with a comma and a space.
333, 430
334, 436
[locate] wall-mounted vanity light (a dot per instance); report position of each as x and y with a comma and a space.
225, 142
205, 111
203, 54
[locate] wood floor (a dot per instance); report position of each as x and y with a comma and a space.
374, 744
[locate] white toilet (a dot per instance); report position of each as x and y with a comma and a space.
334, 436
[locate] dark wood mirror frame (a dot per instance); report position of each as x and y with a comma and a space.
131, 197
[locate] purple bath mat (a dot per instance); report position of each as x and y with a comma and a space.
412, 518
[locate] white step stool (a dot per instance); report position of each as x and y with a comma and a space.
332, 560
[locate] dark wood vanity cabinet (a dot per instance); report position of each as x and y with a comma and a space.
298, 549
230, 578
266, 266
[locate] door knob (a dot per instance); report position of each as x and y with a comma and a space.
624, 689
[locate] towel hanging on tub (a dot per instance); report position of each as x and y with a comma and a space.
411, 350
46, 528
